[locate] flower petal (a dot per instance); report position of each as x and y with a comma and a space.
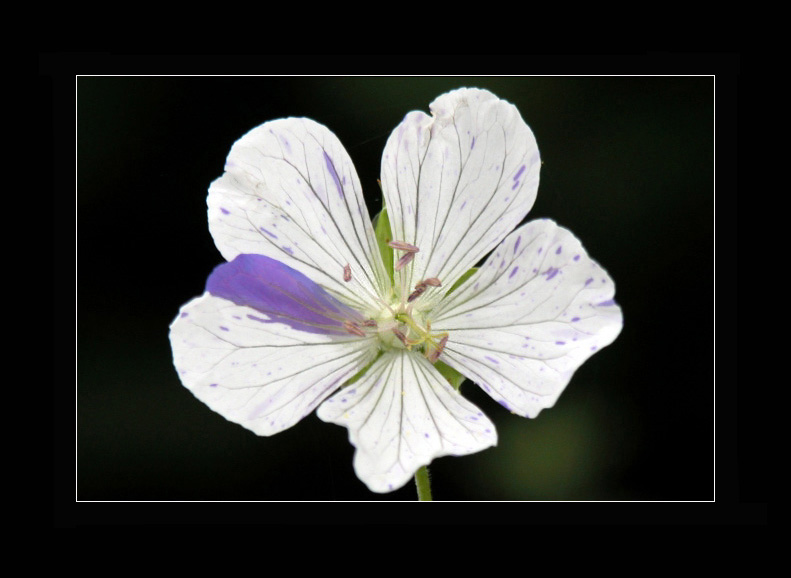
281, 293
290, 192
458, 183
532, 314
255, 372
401, 414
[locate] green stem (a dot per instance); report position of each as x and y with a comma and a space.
423, 485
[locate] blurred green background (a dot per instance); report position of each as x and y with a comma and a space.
628, 167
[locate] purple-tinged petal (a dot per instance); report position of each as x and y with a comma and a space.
281, 293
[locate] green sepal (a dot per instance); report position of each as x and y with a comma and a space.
462, 279
454, 377
381, 224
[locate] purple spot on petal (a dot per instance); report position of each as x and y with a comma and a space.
212, 385
576, 257
606, 303
492, 359
560, 343
425, 435
184, 314
540, 249
225, 211
513, 272
573, 319
333, 173
551, 272
589, 281
558, 251
516, 184
516, 245
519, 174
472, 145
288, 250
504, 404
224, 328
271, 234
594, 348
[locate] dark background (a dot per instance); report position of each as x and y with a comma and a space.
628, 167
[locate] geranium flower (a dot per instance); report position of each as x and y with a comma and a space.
305, 314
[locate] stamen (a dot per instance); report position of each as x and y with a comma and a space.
419, 289
352, 328
403, 246
434, 355
347, 273
401, 336
369, 323
433, 281
403, 261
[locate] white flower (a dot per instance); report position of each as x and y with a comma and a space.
305, 302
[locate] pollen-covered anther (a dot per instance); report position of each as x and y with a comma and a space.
347, 273
397, 332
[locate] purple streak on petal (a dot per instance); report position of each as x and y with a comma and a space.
472, 145
516, 184
573, 319
225, 211
559, 249
492, 359
504, 403
287, 250
271, 234
513, 272
281, 293
606, 303
212, 385
560, 343
224, 328
331, 168
519, 174
184, 314
589, 281
576, 257
516, 245
551, 272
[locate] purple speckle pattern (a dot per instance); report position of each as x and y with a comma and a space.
333, 173
281, 293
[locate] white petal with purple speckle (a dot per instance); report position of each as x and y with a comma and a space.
290, 192
262, 375
402, 414
458, 181
529, 317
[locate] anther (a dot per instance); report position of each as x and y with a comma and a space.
419, 289
347, 273
352, 328
404, 261
434, 355
369, 323
401, 336
403, 246
433, 281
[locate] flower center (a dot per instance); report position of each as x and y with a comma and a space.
406, 328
